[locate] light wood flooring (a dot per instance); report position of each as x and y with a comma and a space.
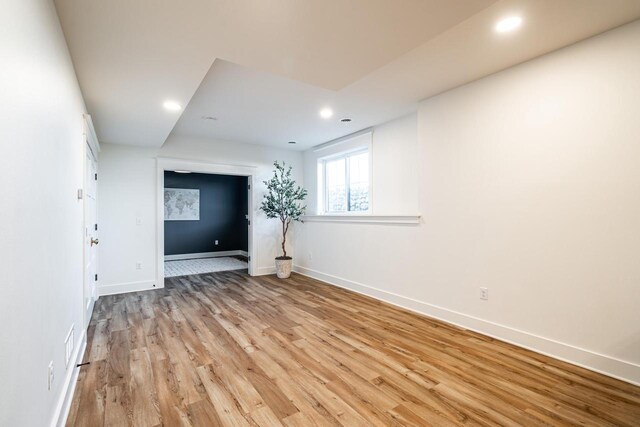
228, 349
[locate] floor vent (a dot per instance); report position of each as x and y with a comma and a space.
68, 347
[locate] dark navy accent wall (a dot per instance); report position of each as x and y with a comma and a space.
223, 206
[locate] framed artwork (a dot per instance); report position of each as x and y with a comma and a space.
181, 204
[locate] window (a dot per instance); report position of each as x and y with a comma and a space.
346, 182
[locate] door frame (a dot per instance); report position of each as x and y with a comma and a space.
91, 147
171, 164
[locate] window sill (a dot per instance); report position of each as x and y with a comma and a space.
365, 219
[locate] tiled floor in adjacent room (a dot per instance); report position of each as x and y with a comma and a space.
188, 267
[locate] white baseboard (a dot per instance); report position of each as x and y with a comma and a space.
121, 288
263, 271
607, 365
204, 255
63, 406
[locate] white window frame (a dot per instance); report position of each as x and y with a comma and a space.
352, 145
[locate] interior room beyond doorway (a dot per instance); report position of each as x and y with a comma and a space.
206, 225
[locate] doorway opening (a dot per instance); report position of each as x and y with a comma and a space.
195, 167
206, 223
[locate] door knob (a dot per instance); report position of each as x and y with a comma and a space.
94, 241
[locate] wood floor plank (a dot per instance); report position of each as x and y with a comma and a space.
227, 406
98, 347
91, 393
116, 410
203, 414
143, 394
227, 349
118, 358
171, 403
265, 417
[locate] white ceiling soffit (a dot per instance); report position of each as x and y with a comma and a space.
261, 108
236, 103
372, 60
131, 55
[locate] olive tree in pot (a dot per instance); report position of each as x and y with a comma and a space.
283, 200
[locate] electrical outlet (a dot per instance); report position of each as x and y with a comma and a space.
484, 293
310, 256
216, 243
138, 221
138, 265
50, 376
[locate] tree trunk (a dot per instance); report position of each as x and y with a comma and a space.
284, 238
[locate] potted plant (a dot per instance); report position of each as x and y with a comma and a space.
283, 200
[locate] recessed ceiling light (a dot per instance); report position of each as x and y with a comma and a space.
326, 113
292, 142
345, 120
172, 106
180, 171
208, 118
508, 24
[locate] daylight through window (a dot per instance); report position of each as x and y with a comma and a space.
346, 182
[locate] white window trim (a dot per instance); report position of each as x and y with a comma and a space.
366, 219
322, 179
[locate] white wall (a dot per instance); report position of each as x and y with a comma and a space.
127, 190
395, 171
41, 219
529, 185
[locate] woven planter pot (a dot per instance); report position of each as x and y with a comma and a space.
283, 267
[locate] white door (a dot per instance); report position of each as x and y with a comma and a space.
90, 235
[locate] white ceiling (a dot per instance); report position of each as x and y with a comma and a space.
263, 108
276, 63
